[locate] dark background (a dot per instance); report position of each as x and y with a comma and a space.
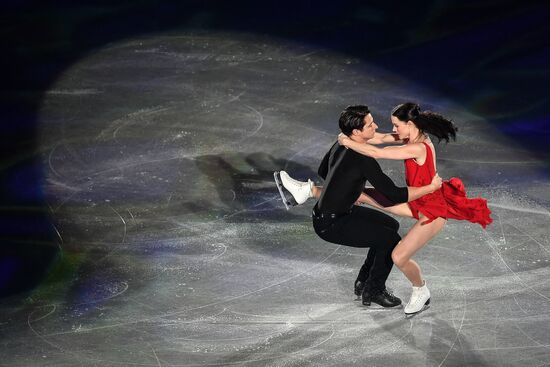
491, 57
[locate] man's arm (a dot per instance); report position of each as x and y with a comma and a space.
416, 192
387, 187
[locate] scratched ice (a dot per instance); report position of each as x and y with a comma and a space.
159, 154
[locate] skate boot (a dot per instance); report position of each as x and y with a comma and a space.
383, 298
420, 299
299, 191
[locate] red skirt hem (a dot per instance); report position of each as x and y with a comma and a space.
451, 202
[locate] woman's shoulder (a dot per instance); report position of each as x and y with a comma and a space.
418, 148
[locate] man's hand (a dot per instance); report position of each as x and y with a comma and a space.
436, 182
343, 139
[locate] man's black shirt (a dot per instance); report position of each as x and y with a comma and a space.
345, 173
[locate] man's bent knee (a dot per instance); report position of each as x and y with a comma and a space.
391, 224
395, 240
395, 224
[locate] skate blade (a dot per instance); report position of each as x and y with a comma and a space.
424, 308
288, 203
375, 306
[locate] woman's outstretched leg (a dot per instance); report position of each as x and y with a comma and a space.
303, 190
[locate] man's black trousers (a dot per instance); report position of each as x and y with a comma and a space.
363, 227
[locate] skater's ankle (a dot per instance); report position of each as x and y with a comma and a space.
315, 191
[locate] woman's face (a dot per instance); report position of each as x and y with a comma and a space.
403, 129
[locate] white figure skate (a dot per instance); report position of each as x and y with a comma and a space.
420, 300
293, 192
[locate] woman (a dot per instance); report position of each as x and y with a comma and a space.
411, 128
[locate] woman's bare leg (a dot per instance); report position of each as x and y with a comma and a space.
401, 210
418, 236
316, 191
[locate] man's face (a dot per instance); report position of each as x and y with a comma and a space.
369, 128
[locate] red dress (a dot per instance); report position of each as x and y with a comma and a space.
449, 201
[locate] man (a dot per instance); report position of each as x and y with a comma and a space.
335, 217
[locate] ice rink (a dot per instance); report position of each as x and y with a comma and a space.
159, 151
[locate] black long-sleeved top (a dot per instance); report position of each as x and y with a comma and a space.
345, 173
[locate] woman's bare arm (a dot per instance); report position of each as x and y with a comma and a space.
401, 152
386, 138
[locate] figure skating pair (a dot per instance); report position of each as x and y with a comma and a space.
340, 215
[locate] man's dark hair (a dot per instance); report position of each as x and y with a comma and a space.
353, 117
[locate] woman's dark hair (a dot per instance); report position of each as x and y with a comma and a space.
427, 122
353, 117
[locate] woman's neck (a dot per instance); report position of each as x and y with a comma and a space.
417, 137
